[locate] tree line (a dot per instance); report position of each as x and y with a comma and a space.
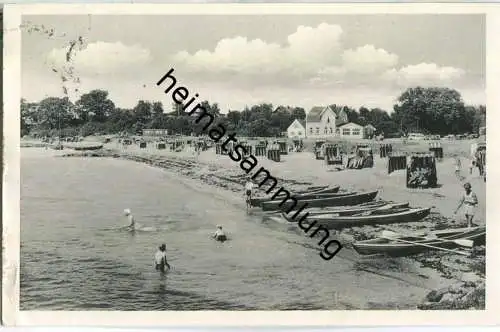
425, 110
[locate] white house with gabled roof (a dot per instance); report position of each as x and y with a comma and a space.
297, 129
320, 122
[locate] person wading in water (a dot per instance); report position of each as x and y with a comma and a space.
219, 235
161, 263
128, 214
469, 200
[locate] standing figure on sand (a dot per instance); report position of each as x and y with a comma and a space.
469, 201
249, 185
458, 167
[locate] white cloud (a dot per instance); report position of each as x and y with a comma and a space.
234, 55
312, 56
102, 58
424, 73
368, 59
308, 49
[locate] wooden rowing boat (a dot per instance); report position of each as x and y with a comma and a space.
349, 199
375, 216
314, 188
440, 239
350, 210
325, 192
87, 147
380, 208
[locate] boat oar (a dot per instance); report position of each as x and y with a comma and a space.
461, 242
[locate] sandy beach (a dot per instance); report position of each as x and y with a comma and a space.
459, 281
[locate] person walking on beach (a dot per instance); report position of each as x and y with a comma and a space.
219, 234
458, 166
128, 214
161, 263
249, 185
472, 164
469, 200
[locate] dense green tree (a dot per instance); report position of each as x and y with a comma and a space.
94, 106
143, 112
234, 117
298, 113
54, 113
432, 110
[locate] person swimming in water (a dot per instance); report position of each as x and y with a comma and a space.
131, 219
161, 259
219, 234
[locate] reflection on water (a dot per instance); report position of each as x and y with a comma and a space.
74, 255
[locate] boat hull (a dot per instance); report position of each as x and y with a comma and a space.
350, 199
404, 215
87, 148
395, 248
348, 211
333, 191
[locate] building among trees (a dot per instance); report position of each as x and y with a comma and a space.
350, 130
297, 129
155, 132
320, 122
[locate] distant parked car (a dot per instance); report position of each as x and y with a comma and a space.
450, 136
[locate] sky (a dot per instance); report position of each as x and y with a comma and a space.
236, 60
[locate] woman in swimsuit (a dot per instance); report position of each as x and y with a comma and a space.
469, 201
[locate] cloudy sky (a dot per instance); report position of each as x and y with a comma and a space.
242, 60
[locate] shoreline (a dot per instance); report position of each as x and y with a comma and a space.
463, 277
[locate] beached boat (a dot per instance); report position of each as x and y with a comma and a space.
325, 192
351, 210
313, 188
387, 216
440, 239
87, 147
349, 199
328, 213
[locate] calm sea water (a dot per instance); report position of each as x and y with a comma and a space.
74, 257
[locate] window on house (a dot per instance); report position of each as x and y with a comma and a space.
292, 133
328, 120
356, 132
317, 130
337, 131
326, 130
331, 130
310, 131
346, 131
299, 133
